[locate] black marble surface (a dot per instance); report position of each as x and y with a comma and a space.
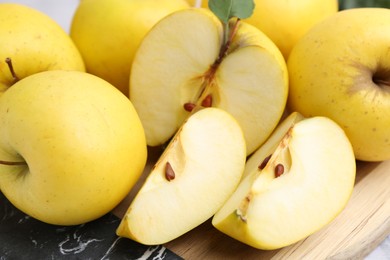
22, 237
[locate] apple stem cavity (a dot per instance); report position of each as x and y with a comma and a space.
381, 81
12, 163
8, 60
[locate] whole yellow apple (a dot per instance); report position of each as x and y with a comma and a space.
71, 146
285, 22
32, 42
340, 69
108, 32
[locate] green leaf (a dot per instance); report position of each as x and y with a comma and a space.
226, 9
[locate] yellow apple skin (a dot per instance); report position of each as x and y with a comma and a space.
285, 22
82, 142
339, 77
34, 42
108, 32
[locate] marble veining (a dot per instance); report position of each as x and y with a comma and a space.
23, 237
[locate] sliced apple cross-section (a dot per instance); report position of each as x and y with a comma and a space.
179, 65
196, 174
295, 185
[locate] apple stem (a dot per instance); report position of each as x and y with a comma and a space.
12, 163
228, 38
8, 60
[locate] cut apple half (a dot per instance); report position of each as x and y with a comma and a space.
196, 174
304, 184
180, 65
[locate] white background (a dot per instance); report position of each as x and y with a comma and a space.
62, 11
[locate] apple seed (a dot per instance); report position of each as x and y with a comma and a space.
189, 106
279, 170
264, 162
207, 101
169, 172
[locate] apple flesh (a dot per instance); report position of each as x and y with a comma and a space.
178, 64
302, 186
198, 171
347, 78
71, 146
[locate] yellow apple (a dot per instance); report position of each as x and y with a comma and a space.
340, 69
71, 146
108, 32
299, 182
33, 42
285, 22
181, 63
197, 172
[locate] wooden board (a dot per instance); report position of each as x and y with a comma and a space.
360, 228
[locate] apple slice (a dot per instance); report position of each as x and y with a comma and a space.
179, 64
304, 185
196, 174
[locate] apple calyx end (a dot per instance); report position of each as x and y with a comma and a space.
242, 209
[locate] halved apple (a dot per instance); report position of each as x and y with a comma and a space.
181, 63
196, 174
302, 186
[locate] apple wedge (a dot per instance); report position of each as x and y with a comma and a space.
302, 186
196, 174
183, 62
